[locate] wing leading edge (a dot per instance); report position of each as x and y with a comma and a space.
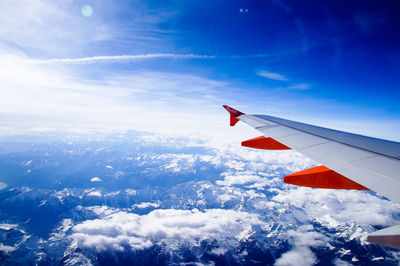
350, 161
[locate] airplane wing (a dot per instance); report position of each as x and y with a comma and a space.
350, 161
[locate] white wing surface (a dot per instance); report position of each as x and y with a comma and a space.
370, 162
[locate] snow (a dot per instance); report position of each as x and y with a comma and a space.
26, 163
43, 202
93, 193
6, 249
130, 191
8, 226
242, 204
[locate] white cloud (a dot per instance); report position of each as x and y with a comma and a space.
306, 236
235, 164
339, 262
239, 180
3, 185
240, 158
271, 75
8, 226
50, 93
178, 162
93, 192
144, 205
298, 256
169, 162
95, 179
280, 208
6, 129
333, 207
302, 239
57, 96
218, 251
130, 191
32, 24
52, 96
6, 249
119, 230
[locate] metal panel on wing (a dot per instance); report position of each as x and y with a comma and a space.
339, 151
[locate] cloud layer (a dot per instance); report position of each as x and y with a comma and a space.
224, 201
118, 230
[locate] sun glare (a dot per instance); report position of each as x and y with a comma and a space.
87, 11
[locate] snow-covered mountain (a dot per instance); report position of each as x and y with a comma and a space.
141, 198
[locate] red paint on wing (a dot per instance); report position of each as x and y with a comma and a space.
264, 143
232, 111
322, 177
233, 114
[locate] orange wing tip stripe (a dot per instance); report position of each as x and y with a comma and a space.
233, 114
322, 177
264, 143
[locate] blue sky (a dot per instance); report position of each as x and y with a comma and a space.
170, 65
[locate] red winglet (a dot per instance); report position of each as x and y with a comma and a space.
233, 114
264, 143
322, 177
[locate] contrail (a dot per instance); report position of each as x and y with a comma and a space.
115, 58
127, 58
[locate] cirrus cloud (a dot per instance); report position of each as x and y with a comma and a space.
272, 75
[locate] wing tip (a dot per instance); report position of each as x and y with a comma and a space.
233, 114
232, 111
